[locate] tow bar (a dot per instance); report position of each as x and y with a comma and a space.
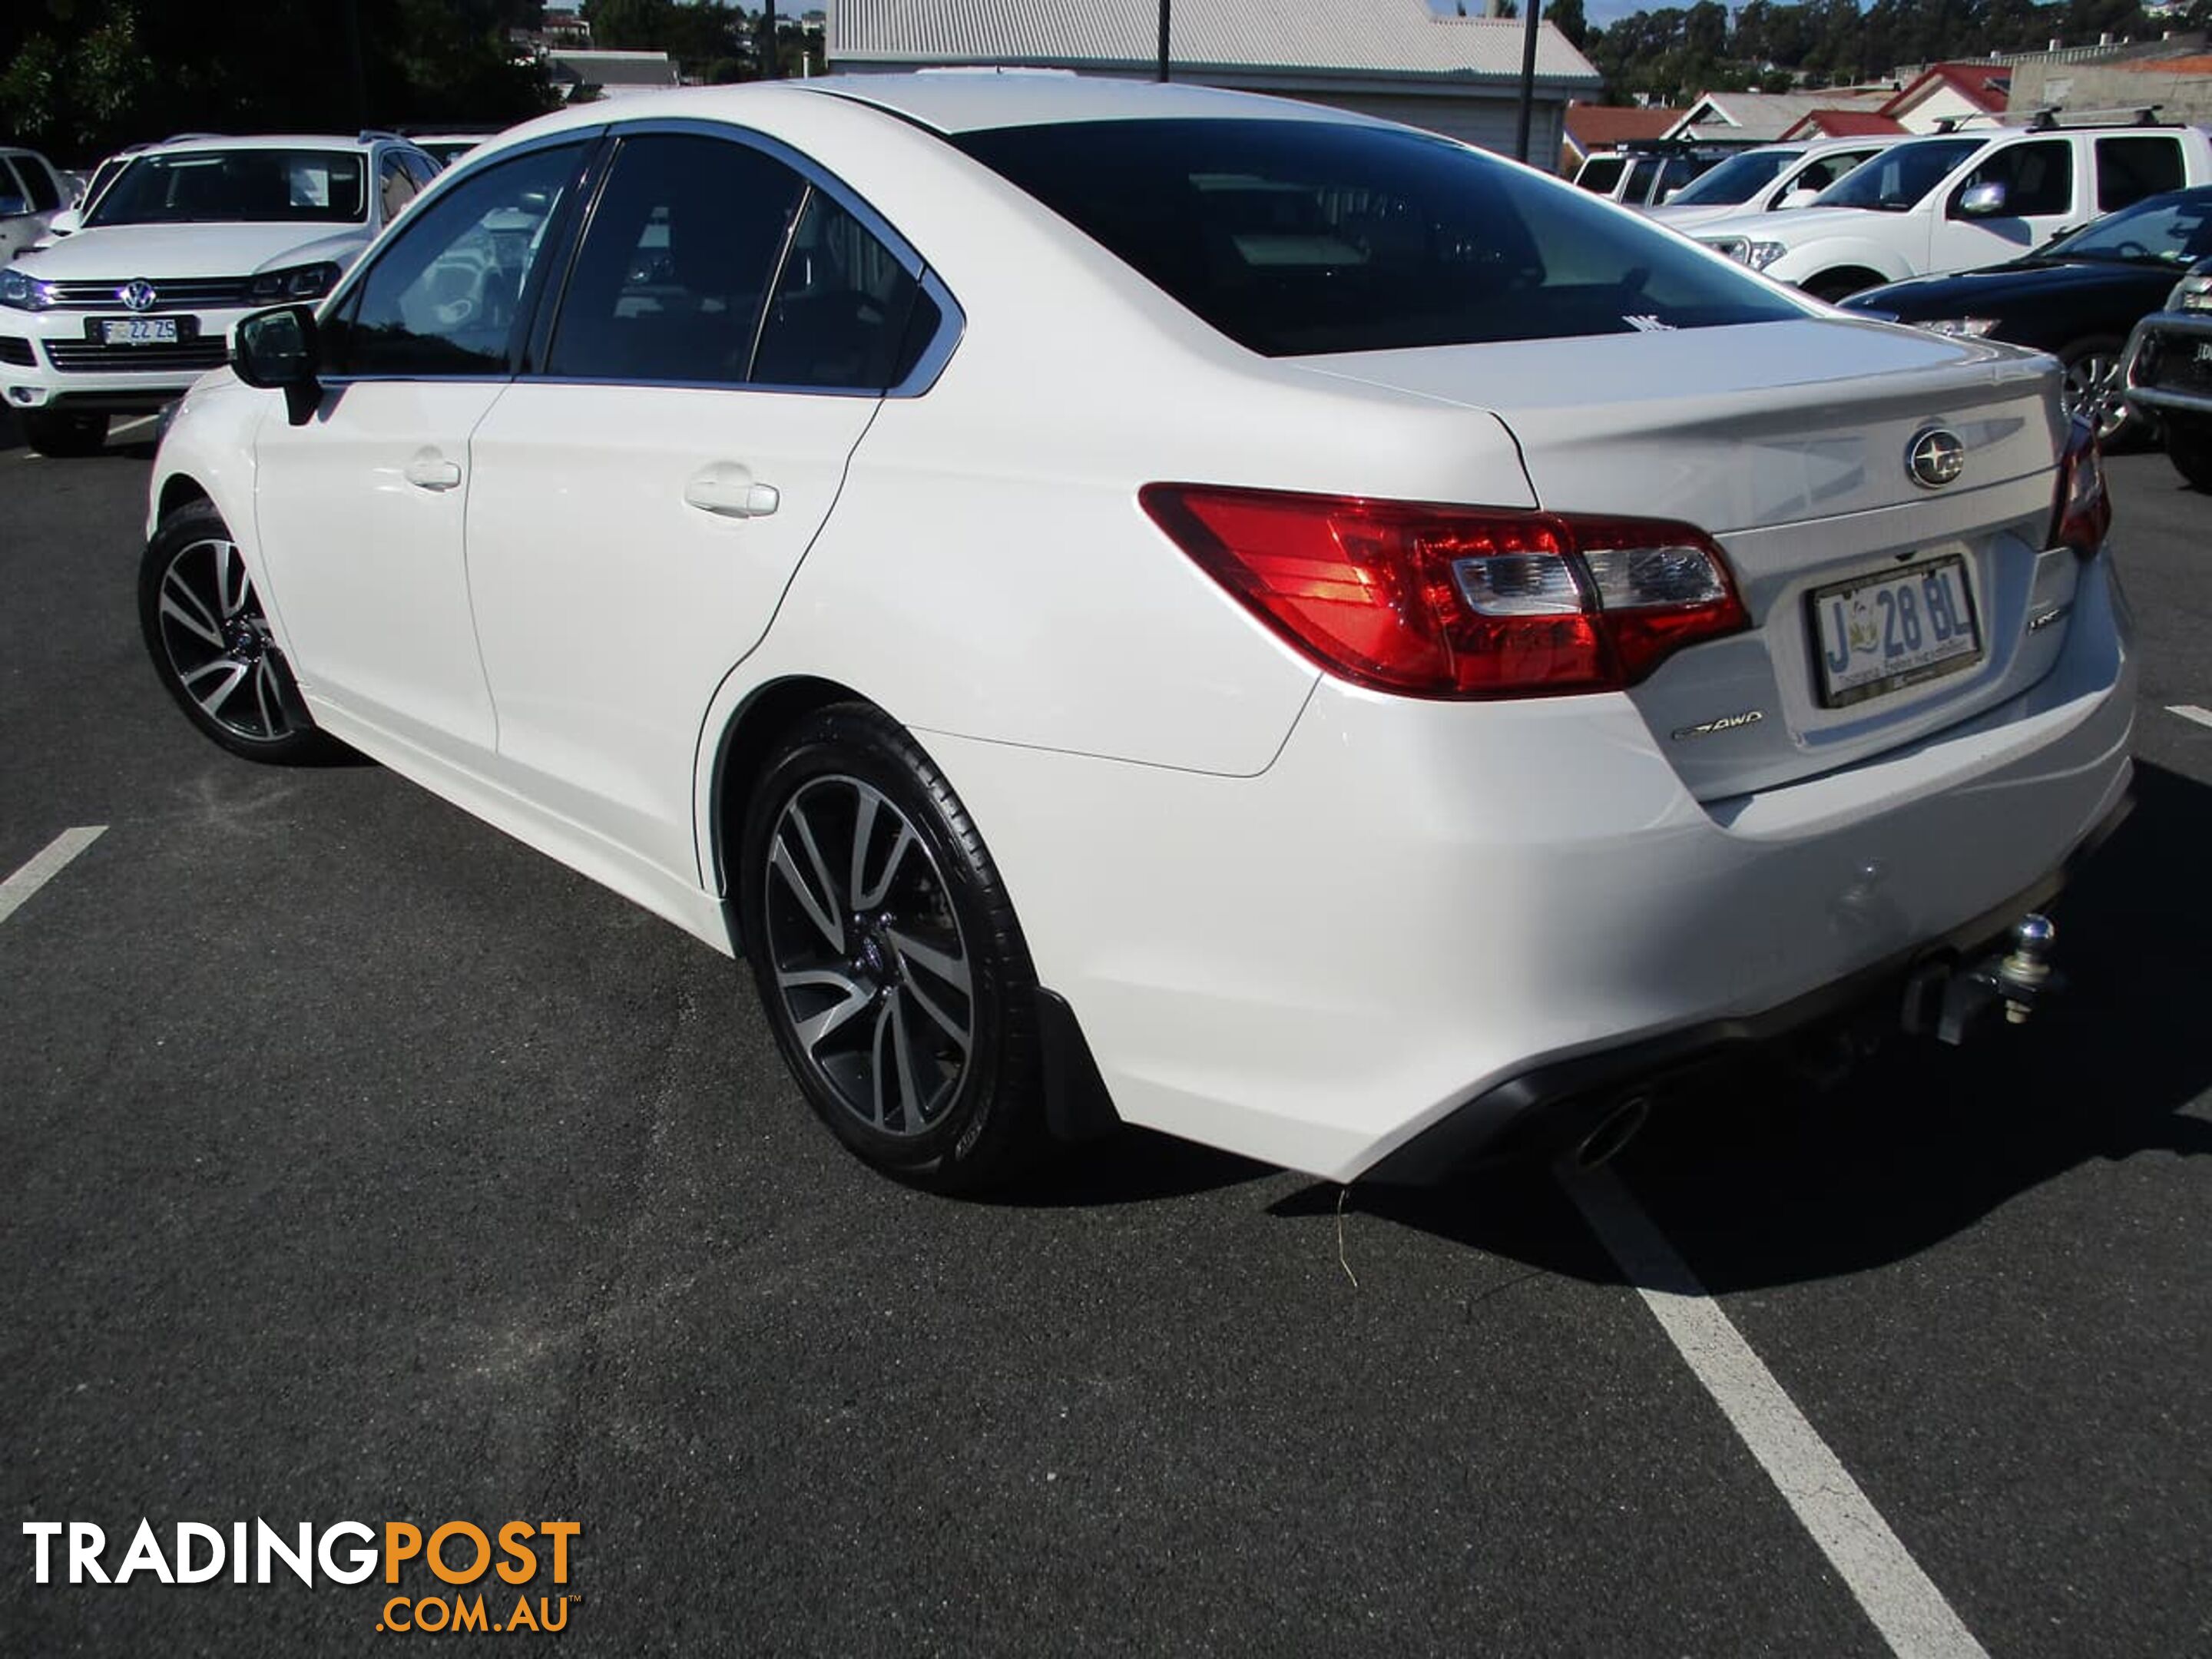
1945, 998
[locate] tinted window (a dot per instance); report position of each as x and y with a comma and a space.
9, 184
2037, 178
2128, 169
444, 293
1303, 236
1899, 177
1736, 179
38, 185
2174, 230
1600, 173
840, 313
205, 186
670, 279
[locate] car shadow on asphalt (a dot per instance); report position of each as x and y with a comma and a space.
1777, 1181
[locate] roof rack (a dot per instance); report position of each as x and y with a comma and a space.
371, 135
2051, 118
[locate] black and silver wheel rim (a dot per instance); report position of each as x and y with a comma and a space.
868, 956
2092, 391
217, 641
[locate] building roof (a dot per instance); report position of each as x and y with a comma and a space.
616, 69
1986, 86
1396, 38
1845, 124
1595, 126
1764, 117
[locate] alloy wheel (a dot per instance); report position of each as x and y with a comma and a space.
2092, 391
218, 643
868, 955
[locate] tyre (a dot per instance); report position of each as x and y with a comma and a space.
212, 646
2189, 446
1834, 285
887, 955
54, 432
2093, 386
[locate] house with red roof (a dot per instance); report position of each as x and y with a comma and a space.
1592, 127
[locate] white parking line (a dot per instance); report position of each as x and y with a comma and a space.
1902, 1601
45, 866
2190, 711
126, 426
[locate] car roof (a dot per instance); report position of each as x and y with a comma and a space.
274, 141
969, 101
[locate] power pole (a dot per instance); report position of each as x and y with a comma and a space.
773, 71
1163, 40
1527, 78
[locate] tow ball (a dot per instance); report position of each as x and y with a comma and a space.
1946, 997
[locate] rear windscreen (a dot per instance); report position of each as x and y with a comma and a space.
1295, 238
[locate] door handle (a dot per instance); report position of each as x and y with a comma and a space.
431, 470
728, 491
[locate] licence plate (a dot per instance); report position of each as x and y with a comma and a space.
2203, 352
1879, 634
140, 330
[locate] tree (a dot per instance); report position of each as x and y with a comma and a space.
1566, 16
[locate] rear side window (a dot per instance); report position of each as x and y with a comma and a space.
670, 279
1820, 174
1299, 237
1600, 173
2128, 169
840, 312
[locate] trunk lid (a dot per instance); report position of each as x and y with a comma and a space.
1789, 443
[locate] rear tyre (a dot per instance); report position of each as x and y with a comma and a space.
2189, 446
211, 646
887, 955
53, 432
2093, 388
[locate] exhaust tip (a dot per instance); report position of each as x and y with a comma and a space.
1614, 1130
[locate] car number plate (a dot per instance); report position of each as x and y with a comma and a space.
2203, 352
140, 330
1879, 634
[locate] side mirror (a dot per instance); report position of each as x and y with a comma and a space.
1981, 200
13, 206
278, 350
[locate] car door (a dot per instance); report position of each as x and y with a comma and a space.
26, 177
361, 508
725, 336
2038, 177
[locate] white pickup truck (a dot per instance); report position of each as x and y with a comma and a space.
1953, 201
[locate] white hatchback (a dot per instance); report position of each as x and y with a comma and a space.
1141, 603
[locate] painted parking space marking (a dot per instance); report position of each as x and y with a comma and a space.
1912, 1615
45, 864
133, 424
2190, 711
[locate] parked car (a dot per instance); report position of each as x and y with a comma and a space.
1099, 664
2167, 373
189, 237
1646, 173
2077, 297
32, 192
1956, 201
1767, 180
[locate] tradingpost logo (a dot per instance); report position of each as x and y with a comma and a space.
471, 1570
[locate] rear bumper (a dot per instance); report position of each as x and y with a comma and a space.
1429, 912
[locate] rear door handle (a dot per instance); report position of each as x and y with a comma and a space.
729, 491
431, 470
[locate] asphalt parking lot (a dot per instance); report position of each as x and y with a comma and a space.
357, 1163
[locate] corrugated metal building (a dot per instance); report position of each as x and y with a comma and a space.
1392, 59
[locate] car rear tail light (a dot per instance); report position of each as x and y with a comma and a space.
1457, 601
2084, 510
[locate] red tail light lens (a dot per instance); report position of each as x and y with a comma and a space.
1457, 601
2084, 512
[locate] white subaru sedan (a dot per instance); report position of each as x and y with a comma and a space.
1139, 603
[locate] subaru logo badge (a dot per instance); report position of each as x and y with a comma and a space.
1937, 457
138, 295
